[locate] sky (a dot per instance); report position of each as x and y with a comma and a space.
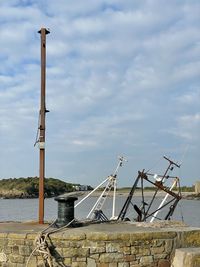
123, 79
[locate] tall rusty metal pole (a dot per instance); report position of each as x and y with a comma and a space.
43, 32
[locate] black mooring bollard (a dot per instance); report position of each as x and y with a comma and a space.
65, 209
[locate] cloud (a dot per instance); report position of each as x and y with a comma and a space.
188, 127
121, 75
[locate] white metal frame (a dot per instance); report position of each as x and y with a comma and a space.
111, 184
175, 181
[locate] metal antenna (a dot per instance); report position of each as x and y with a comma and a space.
43, 32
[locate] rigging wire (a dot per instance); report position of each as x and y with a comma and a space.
154, 165
38, 128
184, 153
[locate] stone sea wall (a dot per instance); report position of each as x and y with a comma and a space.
94, 247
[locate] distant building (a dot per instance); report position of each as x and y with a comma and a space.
82, 187
197, 188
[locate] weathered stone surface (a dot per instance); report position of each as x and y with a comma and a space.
146, 260
102, 264
160, 256
143, 251
126, 250
91, 262
107, 236
157, 250
76, 252
113, 264
164, 263
123, 264
169, 245
16, 258
134, 264
74, 236
196, 261
79, 264
186, 257
67, 261
15, 249
191, 238
95, 246
111, 257
113, 247
76, 248
129, 258
32, 262
95, 256
16, 236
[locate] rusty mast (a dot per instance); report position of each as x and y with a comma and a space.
43, 32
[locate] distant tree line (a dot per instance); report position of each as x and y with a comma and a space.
29, 187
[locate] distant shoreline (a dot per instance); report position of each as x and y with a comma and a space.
148, 193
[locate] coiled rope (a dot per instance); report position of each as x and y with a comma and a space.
41, 244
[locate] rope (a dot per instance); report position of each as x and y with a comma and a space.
41, 244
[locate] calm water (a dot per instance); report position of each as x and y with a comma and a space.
27, 209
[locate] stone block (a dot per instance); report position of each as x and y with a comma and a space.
146, 260
95, 256
126, 250
8, 250
107, 236
25, 250
185, 257
103, 264
191, 238
16, 258
95, 247
80, 259
15, 249
110, 257
143, 251
31, 236
113, 264
164, 263
32, 262
134, 264
91, 262
79, 264
157, 250
134, 249
18, 242
75, 252
169, 245
113, 247
123, 264
16, 236
160, 256
3, 235
75, 236
196, 261
129, 258
10, 264
67, 261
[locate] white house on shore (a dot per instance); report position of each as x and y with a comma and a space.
82, 187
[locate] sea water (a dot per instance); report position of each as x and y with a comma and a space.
187, 211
